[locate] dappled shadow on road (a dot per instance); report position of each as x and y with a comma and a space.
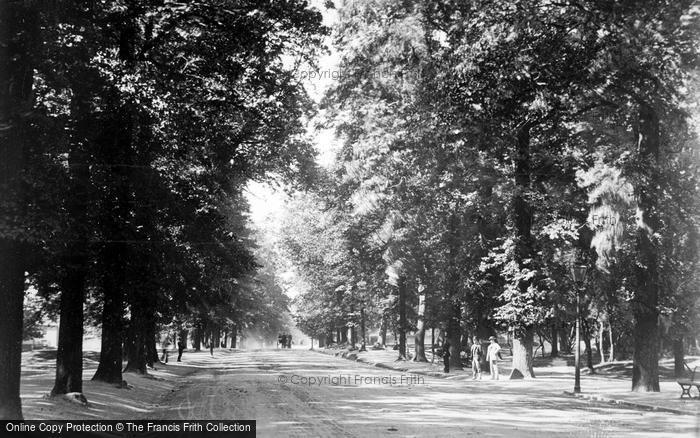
259, 386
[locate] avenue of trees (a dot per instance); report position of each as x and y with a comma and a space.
486, 147
128, 131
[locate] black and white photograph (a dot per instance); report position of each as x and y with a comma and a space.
350, 218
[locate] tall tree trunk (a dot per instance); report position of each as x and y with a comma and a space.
183, 336
522, 220
197, 338
363, 330
522, 353
601, 338
234, 336
678, 357
645, 368
136, 341
432, 344
564, 339
151, 350
555, 341
382, 329
587, 341
11, 316
19, 31
69, 357
110, 367
420, 332
117, 146
454, 333
611, 355
353, 337
402, 317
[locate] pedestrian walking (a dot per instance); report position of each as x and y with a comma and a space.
166, 344
493, 355
446, 355
476, 352
180, 349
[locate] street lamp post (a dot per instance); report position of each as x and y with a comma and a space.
579, 274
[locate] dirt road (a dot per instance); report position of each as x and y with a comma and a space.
300, 393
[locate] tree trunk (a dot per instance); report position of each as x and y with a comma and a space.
522, 353
11, 316
564, 339
363, 330
151, 350
110, 367
19, 29
382, 330
555, 342
353, 337
611, 355
589, 350
678, 357
645, 368
136, 341
197, 338
454, 335
234, 335
601, 338
432, 344
522, 220
402, 318
420, 332
69, 357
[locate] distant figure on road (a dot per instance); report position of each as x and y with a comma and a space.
166, 344
493, 354
446, 355
476, 359
180, 349
281, 341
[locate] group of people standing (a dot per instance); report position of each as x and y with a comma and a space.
166, 344
284, 341
493, 355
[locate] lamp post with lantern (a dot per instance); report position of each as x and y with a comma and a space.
578, 272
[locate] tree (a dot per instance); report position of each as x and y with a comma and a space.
19, 43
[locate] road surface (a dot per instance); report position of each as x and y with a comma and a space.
300, 393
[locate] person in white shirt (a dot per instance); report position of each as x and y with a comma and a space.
493, 354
